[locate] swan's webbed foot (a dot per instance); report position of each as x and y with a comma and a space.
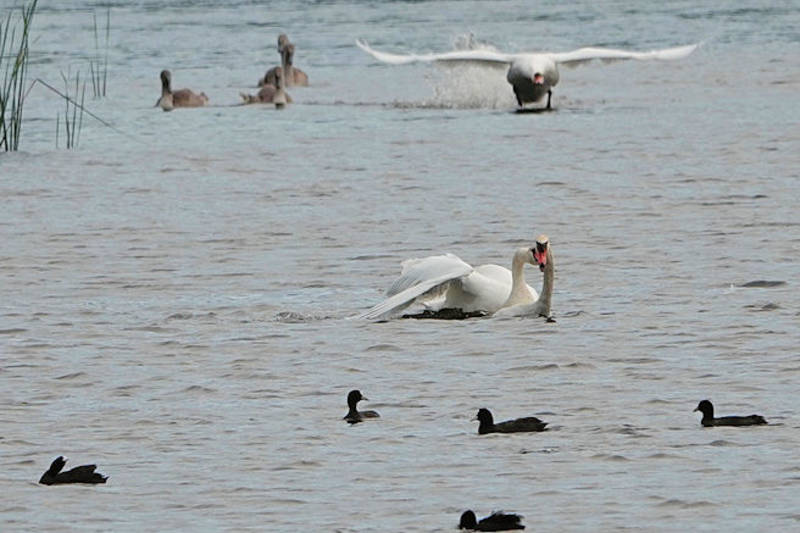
550, 319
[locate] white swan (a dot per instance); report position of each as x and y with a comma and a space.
442, 282
532, 75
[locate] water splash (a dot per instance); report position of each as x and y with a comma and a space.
471, 86
466, 85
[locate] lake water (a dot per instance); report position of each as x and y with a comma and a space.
175, 293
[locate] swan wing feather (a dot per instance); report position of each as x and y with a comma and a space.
584, 55
419, 276
480, 56
419, 270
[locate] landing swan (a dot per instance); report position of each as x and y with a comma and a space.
532, 75
442, 282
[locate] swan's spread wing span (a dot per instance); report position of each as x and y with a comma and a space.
481, 56
419, 277
583, 55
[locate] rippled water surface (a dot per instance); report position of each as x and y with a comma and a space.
175, 294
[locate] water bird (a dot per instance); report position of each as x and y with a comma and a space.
518, 425
270, 94
763, 284
532, 75
293, 75
170, 99
268, 78
281, 98
79, 474
497, 521
445, 282
354, 416
707, 408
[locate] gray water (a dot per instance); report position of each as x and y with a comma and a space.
175, 294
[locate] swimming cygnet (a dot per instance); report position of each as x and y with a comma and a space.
181, 98
270, 94
294, 76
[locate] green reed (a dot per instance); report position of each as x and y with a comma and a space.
98, 69
14, 67
73, 120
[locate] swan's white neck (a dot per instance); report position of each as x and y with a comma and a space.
547, 285
519, 289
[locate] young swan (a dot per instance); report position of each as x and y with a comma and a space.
270, 94
269, 77
281, 98
181, 98
294, 76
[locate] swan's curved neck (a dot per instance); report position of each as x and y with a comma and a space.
547, 285
519, 289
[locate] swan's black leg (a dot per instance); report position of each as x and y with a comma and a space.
519, 102
549, 94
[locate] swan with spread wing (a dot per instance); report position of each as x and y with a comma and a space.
532, 75
444, 282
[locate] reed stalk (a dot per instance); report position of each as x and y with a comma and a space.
98, 69
73, 121
105, 57
14, 67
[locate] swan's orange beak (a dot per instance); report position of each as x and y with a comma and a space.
541, 258
540, 255
538, 79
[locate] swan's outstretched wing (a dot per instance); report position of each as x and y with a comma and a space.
419, 276
480, 56
583, 55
